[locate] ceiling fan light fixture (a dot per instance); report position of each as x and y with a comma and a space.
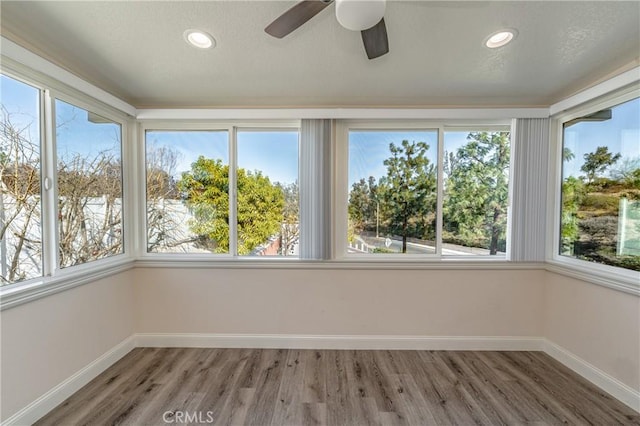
199, 39
359, 15
500, 38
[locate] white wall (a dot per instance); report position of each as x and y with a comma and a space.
595, 323
48, 340
339, 302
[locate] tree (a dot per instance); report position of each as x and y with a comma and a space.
164, 202
476, 190
259, 206
573, 192
363, 204
89, 208
21, 248
408, 190
628, 172
290, 230
597, 162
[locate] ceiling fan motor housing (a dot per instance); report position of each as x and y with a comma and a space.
359, 15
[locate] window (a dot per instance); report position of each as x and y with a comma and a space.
424, 192
20, 200
89, 170
187, 191
61, 199
600, 191
476, 192
392, 191
268, 193
191, 203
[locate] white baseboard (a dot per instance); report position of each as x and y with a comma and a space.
47, 402
286, 341
604, 381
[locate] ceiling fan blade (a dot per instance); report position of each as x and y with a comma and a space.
295, 17
375, 40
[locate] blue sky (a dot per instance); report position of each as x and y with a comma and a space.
23, 103
275, 153
76, 135
368, 149
621, 134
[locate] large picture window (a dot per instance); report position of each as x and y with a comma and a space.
398, 203
600, 208
20, 198
193, 205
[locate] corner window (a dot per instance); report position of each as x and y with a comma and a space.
600, 192
20, 198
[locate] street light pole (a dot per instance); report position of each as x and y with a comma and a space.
377, 218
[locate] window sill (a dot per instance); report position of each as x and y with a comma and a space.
368, 263
18, 294
625, 281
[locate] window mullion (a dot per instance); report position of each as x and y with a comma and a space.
233, 191
49, 186
440, 191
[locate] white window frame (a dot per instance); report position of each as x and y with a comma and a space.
232, 127
341, 191
54, 278
607, 275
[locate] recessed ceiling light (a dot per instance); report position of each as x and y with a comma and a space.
500, 38
199, 39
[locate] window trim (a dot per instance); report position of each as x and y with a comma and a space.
341, 189
606, 275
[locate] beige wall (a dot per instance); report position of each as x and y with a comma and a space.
339, 302
46, 341
595, 323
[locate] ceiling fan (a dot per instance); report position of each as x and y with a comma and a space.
365, 16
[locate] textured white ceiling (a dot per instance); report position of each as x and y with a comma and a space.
136, 51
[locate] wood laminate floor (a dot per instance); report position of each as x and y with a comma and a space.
159, 386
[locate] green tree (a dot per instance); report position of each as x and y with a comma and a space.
363, 204
597, 162
477, 190
259, 211
408, 191
573, 192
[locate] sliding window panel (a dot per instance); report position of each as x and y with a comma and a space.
600, 210
392, 197
476, 192
20, 199
268, 202
89, 184
187, 190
